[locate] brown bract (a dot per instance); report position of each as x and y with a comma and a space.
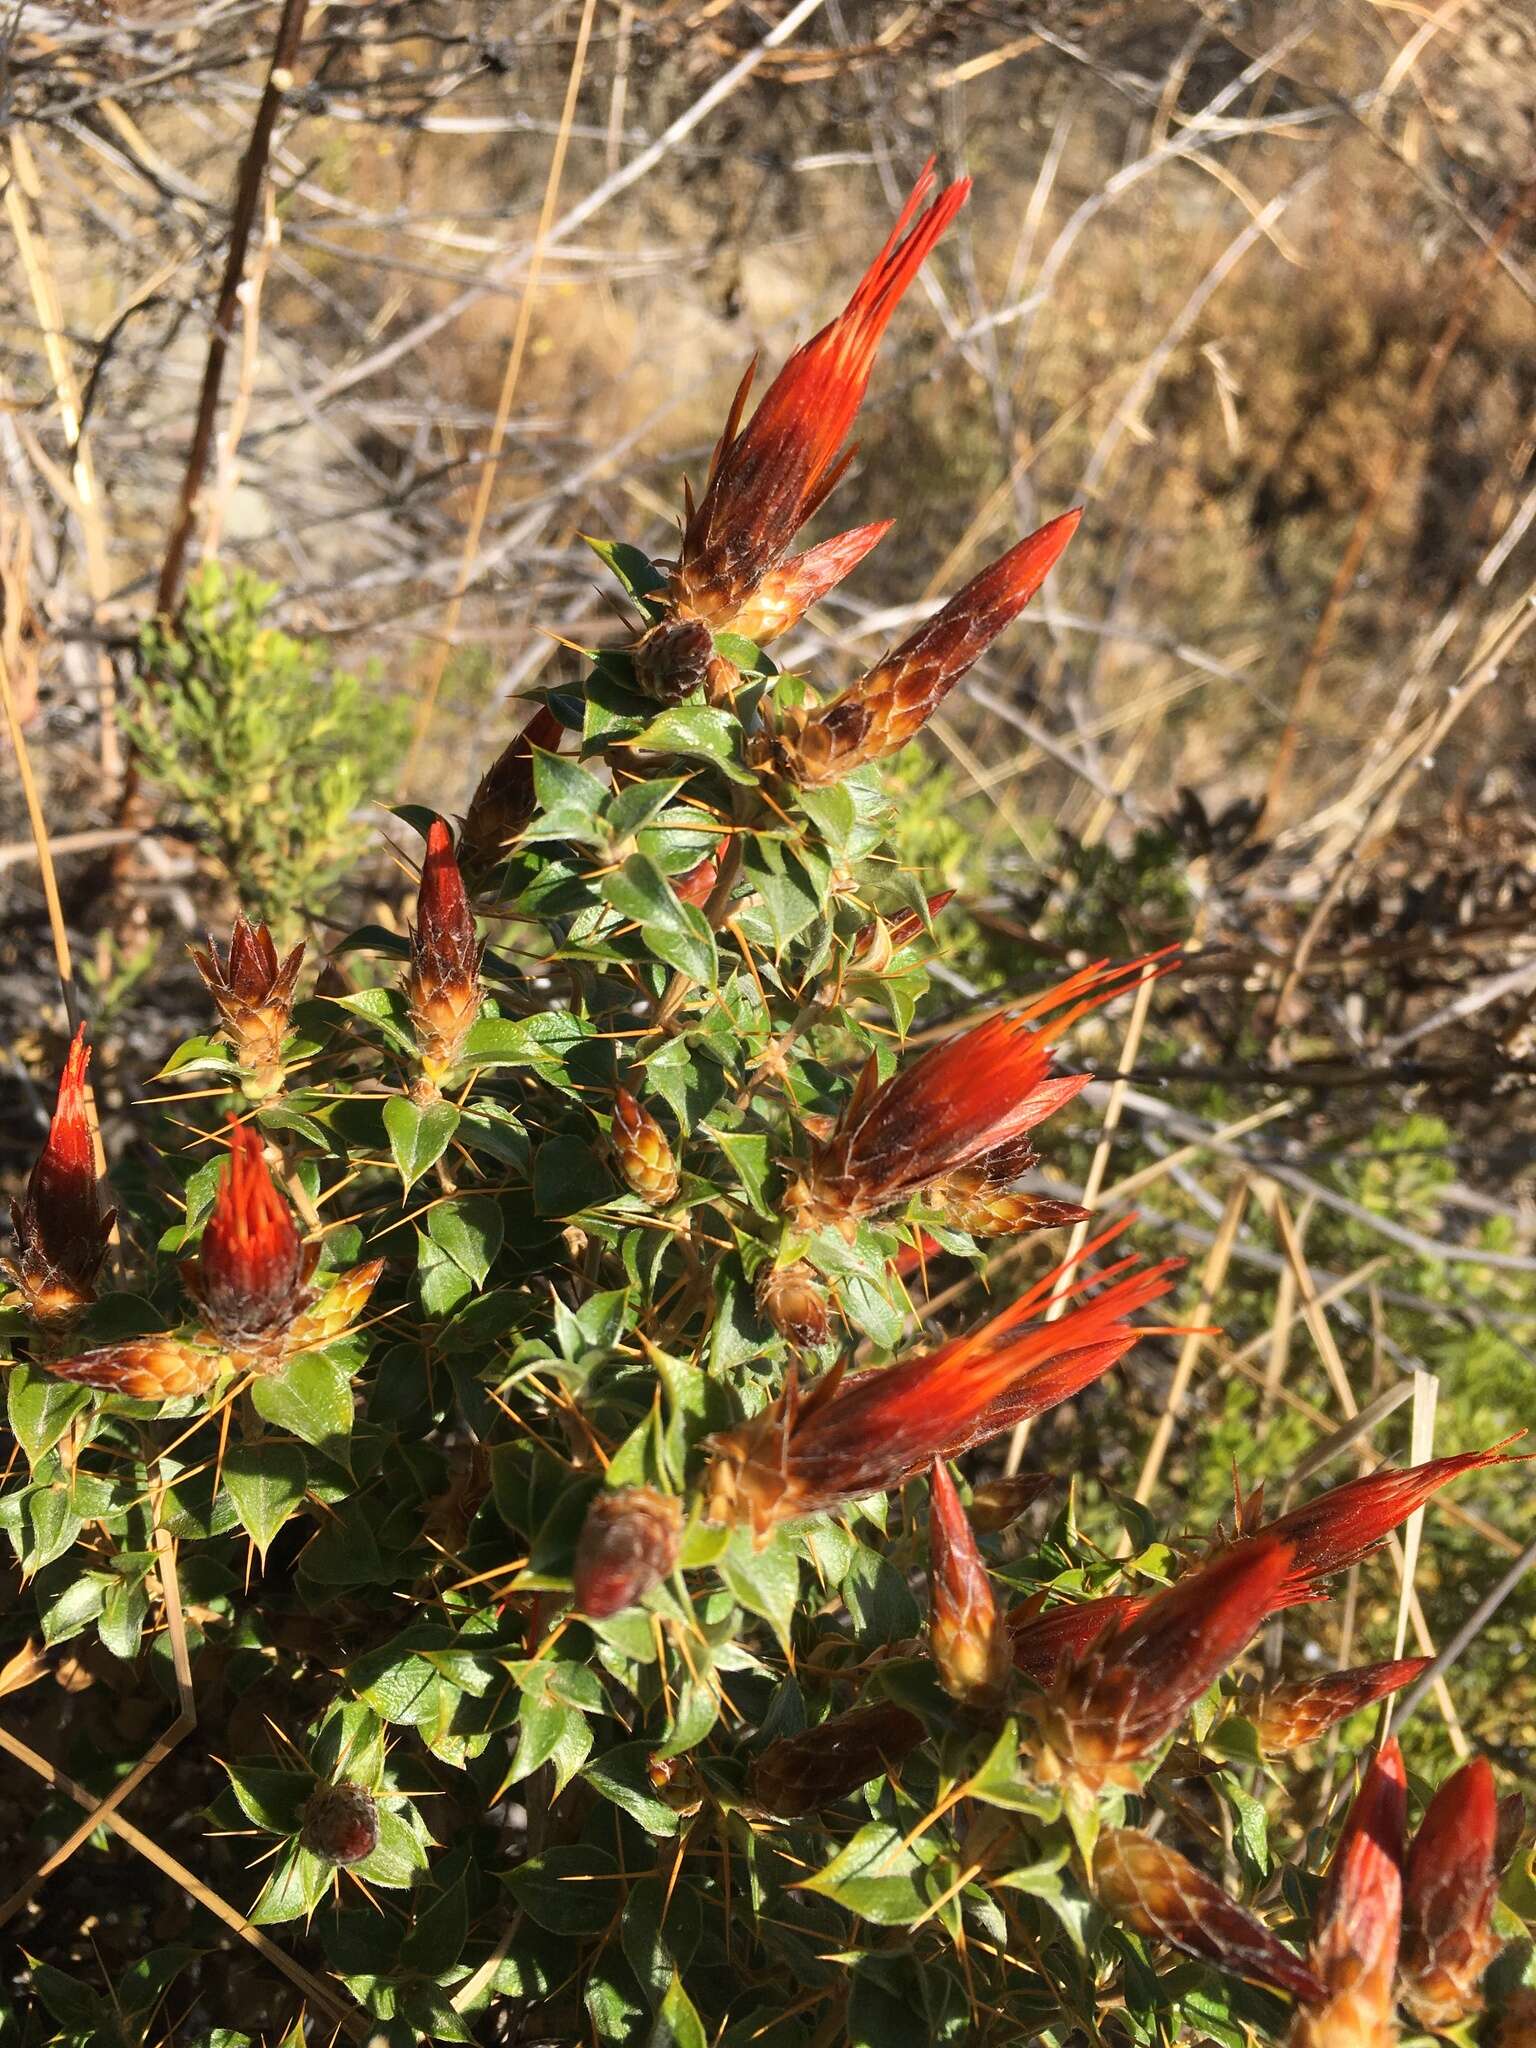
1161, 1894
1451, 1881
504, 800
253, 991
1355, 1938
443, 984
800, 1774
786, 594
1040, 1641
62, 1230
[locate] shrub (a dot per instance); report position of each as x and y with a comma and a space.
553, 1486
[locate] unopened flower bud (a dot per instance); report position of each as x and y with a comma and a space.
641, 1151
250, 1277
61, 1227
505, 797
628, 1544
254, 994
696, 886
144, 1368
793, 1299
341, 1824
965, 1633
335, 1310
672, 659
875, 943
1450, 1884
443, 985
1297, 1712
800, 1774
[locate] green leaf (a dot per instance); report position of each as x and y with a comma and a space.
296, 1886
311, 1398
266, 1482
570, 801
573, 1890
1004, 1780
636, 571
469, 1229
550, 1731
766, 1581
41, 1409
877, 1878
1250, 1836
622, 1775
398, 1855
568, 1177
418, 1137
274, 1799
675, 932
677, 2023
698, 732
73, 2004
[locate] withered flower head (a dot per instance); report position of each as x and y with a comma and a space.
1354, 1941
250, 1276
842, 1438
768, 478
641, 1151
965, 1098
504, 800
340, 1824
1449, 1887
801, 1774
628, 1544
793, 1299
965, 1632
1161, 1894
1299, 1710
1041, 1641
253, 991
1347, 1523
443, 984
1108, 1709
146, 1368
894, 700
61, 1227
785, 595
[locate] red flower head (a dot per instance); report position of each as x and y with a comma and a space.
969, 1644
628, 1544
1288, 1715
1354, 1943
785, 595
1161, 1894
254, 994
1110, 1708
61, 1228
842, 1438
1450, 1884
767, 479
963, 1099
894, 700
443, 985
1343, 1526
504, 800
1040, 1641
251, 1272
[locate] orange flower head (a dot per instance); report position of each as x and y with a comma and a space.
1355, 1939
964, 1099
1110, 1708
1347, 1523
1041, 1641
145, 1368
504, 800
801, 1774
768, 478
443, 984
1162, 1895
893, 701
253, 991
965, 1634
61, 1228
786, 594
842, 1438
628, 1544
1298, 1711
1450, 1883
251, 1272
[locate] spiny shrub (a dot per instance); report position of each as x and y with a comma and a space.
529, 1387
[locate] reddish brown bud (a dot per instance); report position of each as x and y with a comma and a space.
1161, 1894
672, 659
628, 1544
996, 1504
254, 994
894, 701
766, 480
876, 943
641, 1151
977, 1092
1354, 1941
504, 800
341, 1824
1289, 1715
250, 1277
1516, 2026
697, 885
840, 1439
1111, 1707
146, 1368
1450, 1884
973, 1201
1041, 1641
968, 1641
443, 985
61, 1228
800, 1774
785, 595
795, 1302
